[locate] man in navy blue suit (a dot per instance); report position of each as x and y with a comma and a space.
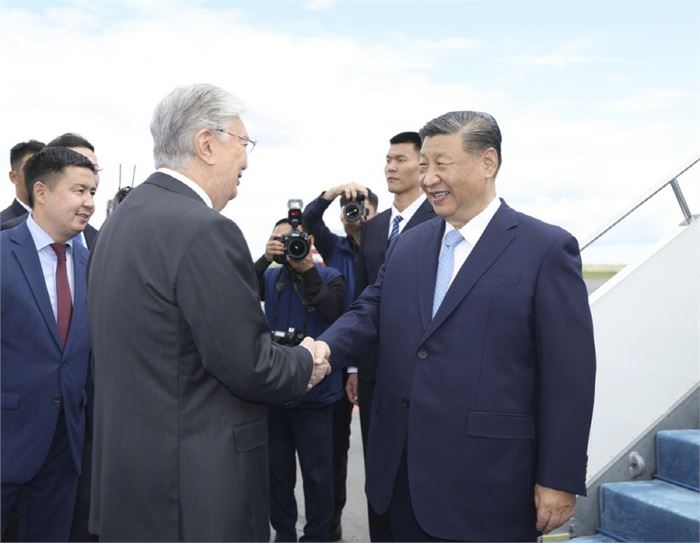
486, 364
19, 154
45, 346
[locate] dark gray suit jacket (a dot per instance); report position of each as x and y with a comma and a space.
184, 363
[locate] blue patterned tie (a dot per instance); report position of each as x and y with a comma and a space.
446, 263
394, 228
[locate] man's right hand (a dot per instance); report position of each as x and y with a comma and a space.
350, 190
274, 247
322, 355
351, 388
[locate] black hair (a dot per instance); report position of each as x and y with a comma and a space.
70, 139
47, 163
407, 137
478, 131
22, 149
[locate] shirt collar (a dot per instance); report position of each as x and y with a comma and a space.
41, 238
474, 229
409, 211
190, 183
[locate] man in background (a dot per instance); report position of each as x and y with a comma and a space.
184, 361
19, 155
408, 209
340, 252
301, 299
45, 346
76, 143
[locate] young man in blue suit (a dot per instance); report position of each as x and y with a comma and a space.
45, 346
486, 364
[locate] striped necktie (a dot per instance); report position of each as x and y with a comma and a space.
394, 228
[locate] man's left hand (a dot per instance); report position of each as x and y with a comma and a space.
554, 508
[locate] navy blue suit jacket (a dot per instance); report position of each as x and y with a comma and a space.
36, 370
491, 396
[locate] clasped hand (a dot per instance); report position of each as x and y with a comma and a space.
321, 353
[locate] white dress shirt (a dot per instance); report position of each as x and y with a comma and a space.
191, 184
471, 232
407, 214
49, 261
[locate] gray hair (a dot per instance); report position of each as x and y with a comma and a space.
479, 130
181, 114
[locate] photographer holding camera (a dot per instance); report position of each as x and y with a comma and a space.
301, 299
358, 205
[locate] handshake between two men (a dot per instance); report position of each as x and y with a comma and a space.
321, 353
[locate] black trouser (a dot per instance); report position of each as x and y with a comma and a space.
379, 528
309, 433
342, 418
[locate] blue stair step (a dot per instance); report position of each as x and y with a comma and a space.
598, 538
649, 511
678, 457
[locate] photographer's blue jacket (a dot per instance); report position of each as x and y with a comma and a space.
337, 251
301, 301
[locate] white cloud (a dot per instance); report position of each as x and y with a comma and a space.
323, 108
646, 100
319, 5
569, 54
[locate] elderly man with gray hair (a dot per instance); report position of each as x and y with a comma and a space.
184, 362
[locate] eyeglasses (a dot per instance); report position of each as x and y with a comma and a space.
243, 138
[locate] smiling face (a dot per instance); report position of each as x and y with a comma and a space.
458, 184
63, 206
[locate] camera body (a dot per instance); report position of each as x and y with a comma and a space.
290, 337
354, 210
296, 244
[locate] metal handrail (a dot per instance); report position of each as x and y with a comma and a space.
673, 182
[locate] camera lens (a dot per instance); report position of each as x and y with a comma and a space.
298, 248
352, 212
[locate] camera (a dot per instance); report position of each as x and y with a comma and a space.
354, 210
290, 337
296, 243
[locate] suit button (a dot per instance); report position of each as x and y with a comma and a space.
405, 402
58, 400
422, 354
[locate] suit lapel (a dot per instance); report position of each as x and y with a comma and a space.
383, 228
428, 270
28, 260
423, 213
498, 235
80, 256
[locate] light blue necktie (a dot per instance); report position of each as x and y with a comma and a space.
446, 263
394, 228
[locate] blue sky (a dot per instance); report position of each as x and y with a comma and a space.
597, 101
